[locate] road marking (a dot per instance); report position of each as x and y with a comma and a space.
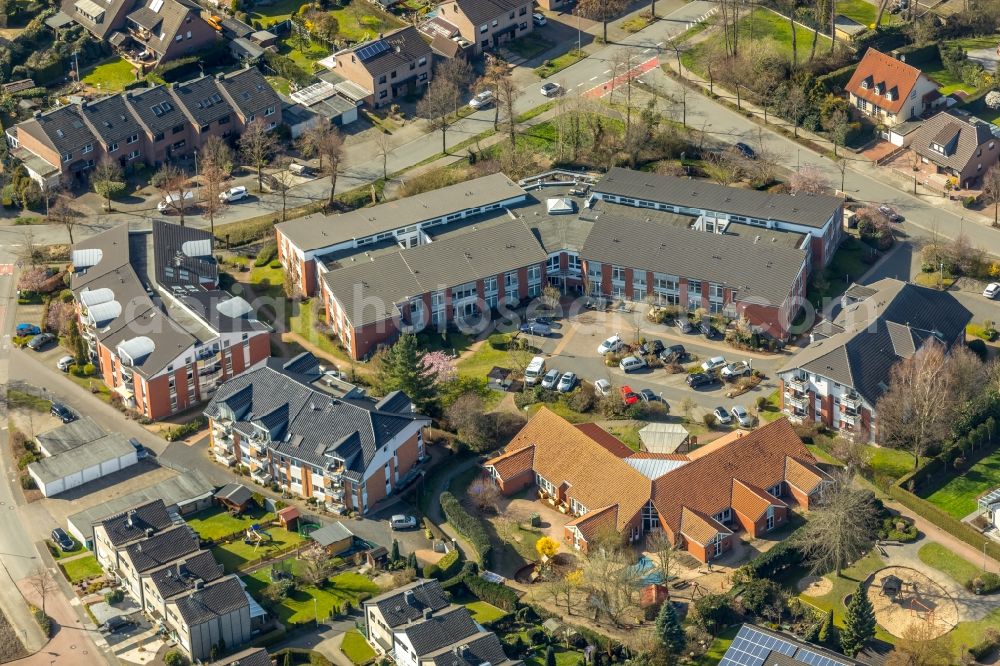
610, 85
660, 44
6, 269
593, 78
580, 84
607, 71
649, 50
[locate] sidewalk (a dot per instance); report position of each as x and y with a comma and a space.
934, 533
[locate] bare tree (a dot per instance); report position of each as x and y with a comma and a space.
257, 145
612, 583
837, 126
841, 528
724, 167
601, 10
794, 105
968, 374
332, 148
42, 583
436, 105
808, 180
213, 178
383, 145
312, 139
283, 181
917, 410
107, 180
498, 79
175, 187
317, 567
458, 72
991, 190
921, 646
63, 213
665, 552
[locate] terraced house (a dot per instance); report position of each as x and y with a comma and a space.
347, 453
743, 482
392, 67
488, 23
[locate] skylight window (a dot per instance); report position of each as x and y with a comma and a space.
155, 5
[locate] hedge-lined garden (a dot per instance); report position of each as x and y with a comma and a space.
470, 527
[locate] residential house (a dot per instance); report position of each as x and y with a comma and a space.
890, 91
54, 145
488, 23
112, 535
159, 329
757, 646
989, 508
838, 379
346, 453
958, 145
248, 657
390, 68
157, 550
208, 615
173, 579
699, 500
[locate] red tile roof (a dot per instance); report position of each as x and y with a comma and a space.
700, 528
605, 439
885, 73
593, 523
752, 502
513, 462
804, 475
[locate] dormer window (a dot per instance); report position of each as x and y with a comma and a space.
867, 83
889, 96
938, 148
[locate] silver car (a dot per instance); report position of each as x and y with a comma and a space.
550, 379
566, 382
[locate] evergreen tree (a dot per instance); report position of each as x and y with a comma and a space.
402, 369
76, 343
669, 631
411, 561
826, 628
288, 659
859, 623
550, 656
394, 553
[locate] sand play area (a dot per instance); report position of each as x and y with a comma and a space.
918, 599
815, 586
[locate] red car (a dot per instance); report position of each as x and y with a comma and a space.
629, 397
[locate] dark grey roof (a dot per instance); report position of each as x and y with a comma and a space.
177, 249
203, 99
960, 138
235, 493
144, 17
441, 630
397, 607
133, 523
111, 120
758, 272
484, 11
112, 19
880, 330
182, 575
232, 27
156, 108
330, 534
165, 22
248, 657
70, 435
250, 92
482, 649
448, 262
405, 46
162, 548
811, 210
396, 402
220, 598
62, 128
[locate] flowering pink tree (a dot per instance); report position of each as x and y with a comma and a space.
439, 365
61, 315
33, 278
808, 180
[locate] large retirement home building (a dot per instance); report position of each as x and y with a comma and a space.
161, 332
345, 453
452, 254
700, 500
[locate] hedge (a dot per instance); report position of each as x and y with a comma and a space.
469, 570
943, 520
836, 80
497, 594
468, 526
189, 428
769, 564
449, 565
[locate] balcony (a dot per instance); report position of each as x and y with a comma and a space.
261, 476
226, 459
849, 419
796, 384
852, 403
139, 34
799, 401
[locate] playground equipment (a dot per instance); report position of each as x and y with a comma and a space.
306, 528
256, 535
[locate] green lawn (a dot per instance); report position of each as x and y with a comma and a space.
359, 24
563, 656
233, 555
216, 523
356, 648
304, 55
718, 648
480, 362
949, 83
864, 12
958, 496
530, 45
629, 436
959, 570
890, 462
559, 63
57, 552
483, 612
300, 607
846, 265
301, 322
111, 75
453, 342
81, 569
972, 633
772, 410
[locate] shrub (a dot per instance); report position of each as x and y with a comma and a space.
115, 596
714, 611
499, 341
317, 659
710, 420
978, 347
27, 482
467, 525
175, 658
986, 583
267, 253
497, 594
897, 528
582, 400
991, 640
26, 459
449, 564
189, 428
432, 571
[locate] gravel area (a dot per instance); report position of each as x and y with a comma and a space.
10, 644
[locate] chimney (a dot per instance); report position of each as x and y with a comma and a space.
149, 531
220, 76
428, 612
409, 598
37, 114
129, 522
198, 583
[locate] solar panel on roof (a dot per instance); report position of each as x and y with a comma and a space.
751, 648
371, 50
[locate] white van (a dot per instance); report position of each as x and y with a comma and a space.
299, 169
533, 373
173, 200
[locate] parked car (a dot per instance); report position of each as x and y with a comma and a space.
722, 415
538, 19
566, 382
41, 341
299, 169
140, 450
533, 373
550, 379
482, 100
707, 330
629, 397
543, 320
233, 194
650, 397
631, 364
746, 151
65, 363
174, 199
62, 540
402, 522
650, 347
62, 412
612, 344
551, 89
536, 328
24, 330
698, 379
739, 413
116, 623
992, 290
602, 387
713, 363
890, 213
735, 369
683, 325
673, 353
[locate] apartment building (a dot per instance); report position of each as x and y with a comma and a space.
173, 579
488, 23
112, 535
392, 67
743, 481
160, 331
838, 379
347, 453
148, 126
151, 552
217, 614
889, 90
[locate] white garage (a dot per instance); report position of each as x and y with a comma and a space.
81, 464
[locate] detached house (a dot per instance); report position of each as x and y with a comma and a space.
958, 145
389, 68
890, 91
488, 23
699, 500
838, 379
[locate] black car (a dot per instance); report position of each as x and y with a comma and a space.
707, 330
41, 341
650, 347
746, 151
140, 450
62, 412
684, 325
650, 397
700, 379
62, 539
673, 353
117, 623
